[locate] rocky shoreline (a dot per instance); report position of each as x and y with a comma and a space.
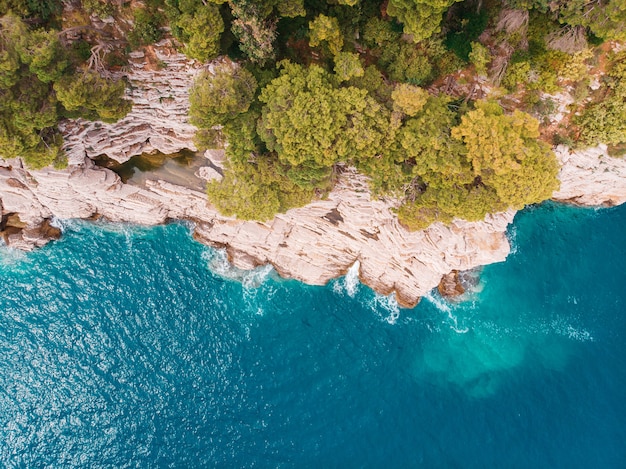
312, 244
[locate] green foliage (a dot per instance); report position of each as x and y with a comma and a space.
29, 62
504, 152
100, 8
409, 99
480, 58
605, 121
256, 32
43, 10
256, 191
376, 85
91, 96
421, 18
291, 8
378, 33
198, 25
42, 52
467, 25
539, 5
347, 66
201, 33
28, 114
539, 69
286, 146
488, 162
146, 29
205, 139
411, 65
605, 18
307, 121
221, 96
326, 29
517, 74
575, 68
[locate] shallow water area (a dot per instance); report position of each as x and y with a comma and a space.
138, 347
179, 168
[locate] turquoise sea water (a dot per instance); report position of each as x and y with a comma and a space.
131, 347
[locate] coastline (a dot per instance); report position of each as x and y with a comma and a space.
312, 244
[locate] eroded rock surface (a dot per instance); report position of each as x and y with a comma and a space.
158, 120
591, 177
313, 244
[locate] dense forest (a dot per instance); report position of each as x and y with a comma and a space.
443, 105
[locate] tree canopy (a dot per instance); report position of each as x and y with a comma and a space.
39, 85
421, 18
294, 91
307, 120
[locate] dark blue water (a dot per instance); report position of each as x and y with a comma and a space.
119, 347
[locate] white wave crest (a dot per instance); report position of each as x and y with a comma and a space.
351, 280
218, 263
65, 224
387, 305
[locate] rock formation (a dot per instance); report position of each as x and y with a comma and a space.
313, 244
160, 79
591, 177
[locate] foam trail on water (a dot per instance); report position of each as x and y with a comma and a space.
444, 307
388, 304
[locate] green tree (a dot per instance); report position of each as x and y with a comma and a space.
309, 122
255, 31
410, 65
201, 33
347, 66
91, 96
198, 25
291, 8
487, 162
605, 121
504, 152
146, 28
256, 191
221, 96
421, 18
409, 99
480, 58
326, 29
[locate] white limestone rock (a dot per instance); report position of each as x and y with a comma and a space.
209, 174
158, 120
591, 177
